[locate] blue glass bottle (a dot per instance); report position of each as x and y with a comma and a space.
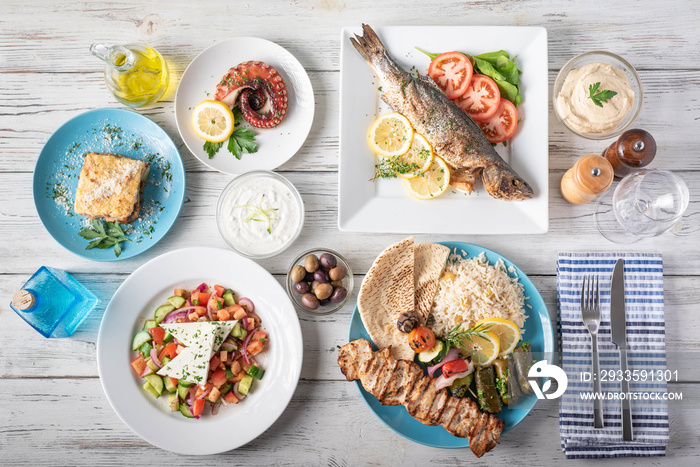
53, 302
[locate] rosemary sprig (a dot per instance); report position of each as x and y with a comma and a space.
259, 214
457, 335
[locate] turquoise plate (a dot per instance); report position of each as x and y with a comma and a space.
538, 331
115, 131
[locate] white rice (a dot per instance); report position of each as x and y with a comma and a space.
479, 290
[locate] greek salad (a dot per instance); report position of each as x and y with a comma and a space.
200, 347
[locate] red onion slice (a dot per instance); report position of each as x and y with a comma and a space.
235, 391
202, 287
215, 408
452, 354
205, 393
442, 382
247, 304
154, 357
175, 315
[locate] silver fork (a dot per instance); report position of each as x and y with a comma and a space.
590, 312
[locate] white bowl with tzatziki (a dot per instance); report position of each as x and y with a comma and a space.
597, 95
260, 214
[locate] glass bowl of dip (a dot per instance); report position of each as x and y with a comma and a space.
578, 112
346, 282
259, 214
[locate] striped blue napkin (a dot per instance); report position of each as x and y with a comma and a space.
644, 296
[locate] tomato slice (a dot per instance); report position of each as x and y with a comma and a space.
454, 367
502, 124
452, 72
421, 339
481, 98
158, 334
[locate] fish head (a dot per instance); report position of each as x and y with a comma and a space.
503, 183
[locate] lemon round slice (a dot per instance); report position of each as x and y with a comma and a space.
212, 121
391, 135
483, 348
507, 332
432, 183
420, 153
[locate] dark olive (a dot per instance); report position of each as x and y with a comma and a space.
324, 302
323, 291
338, 272
311, 263
310, 301
339, 295
314, 284
302, 287
328, 261
298, 273
309, 277
321, 277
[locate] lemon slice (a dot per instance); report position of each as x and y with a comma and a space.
212, 121
432, 183
483, 348
391, 135
507, 332
420, 153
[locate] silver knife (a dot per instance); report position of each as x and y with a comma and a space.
618, 327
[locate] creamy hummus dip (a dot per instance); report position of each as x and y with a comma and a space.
259, 215
580, 112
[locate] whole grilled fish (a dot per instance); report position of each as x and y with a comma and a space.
454, 136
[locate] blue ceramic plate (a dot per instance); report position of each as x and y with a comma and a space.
538, 331
114, 131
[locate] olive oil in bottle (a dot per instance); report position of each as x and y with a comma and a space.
136, 73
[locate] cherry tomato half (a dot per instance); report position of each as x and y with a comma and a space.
421, 339
502, 124
452, 72
454, 367
481, 98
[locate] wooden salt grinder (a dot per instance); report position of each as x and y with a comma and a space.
633, 150
590, 176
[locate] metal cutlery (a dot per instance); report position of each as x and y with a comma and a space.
618, 328
590, 312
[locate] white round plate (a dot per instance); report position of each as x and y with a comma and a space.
275, 145
134, 302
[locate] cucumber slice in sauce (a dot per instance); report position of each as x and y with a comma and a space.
161, 312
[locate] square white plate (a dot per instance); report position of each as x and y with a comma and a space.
385, 205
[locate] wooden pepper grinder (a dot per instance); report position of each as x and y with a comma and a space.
590, 176
633, 150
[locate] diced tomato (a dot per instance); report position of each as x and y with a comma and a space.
259, 336
180, 292
223, 356
138, 364
502, 124
200, 310
179, 349
198, 407
236, 368
169, 350
200, 298
223, 315
231, 398
236, 311
218, 379
174, 381
251, 323
255, 347
157, 333
202, 389
452, 72
214, 395
193, 317
455, 366
219, 290
216, 303
237, 377
481, 99
214, 363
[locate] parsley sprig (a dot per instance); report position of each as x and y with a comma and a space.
259, 214
598, 97
393, 166
104, 235
241, 141
457, 335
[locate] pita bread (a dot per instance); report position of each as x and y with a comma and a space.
429, 264
387, 291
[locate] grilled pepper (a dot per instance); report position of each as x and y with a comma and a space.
523, 361
460, 386
508, 387
486, 391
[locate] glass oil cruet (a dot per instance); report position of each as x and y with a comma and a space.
135, 73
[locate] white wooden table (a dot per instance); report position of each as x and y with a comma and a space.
52, 408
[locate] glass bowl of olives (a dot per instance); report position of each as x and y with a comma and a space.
320, 281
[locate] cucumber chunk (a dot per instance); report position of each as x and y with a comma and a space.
156, 383
183, 387
256, 372
151, 364
161, 312
147, 386
169, 386
149, 324
174, 402
176, 301
238, 331
140, 338
245, 384
145, 350
228, 298
168, 337
184, 410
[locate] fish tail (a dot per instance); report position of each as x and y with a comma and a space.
369, 45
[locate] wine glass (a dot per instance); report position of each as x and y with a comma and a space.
645, 203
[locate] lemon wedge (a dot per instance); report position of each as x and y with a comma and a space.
507, 332
432, 183
391, 135
420, 153
212, 121
483, 348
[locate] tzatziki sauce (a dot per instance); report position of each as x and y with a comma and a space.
259, 215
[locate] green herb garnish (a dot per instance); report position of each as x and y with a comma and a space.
212, 148
104, 235
393, 166
242, 141
501, 386
258, 214
598, 97
457, 335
